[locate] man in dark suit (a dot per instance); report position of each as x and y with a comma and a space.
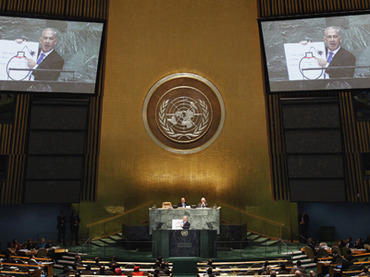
182, 203
48, 58
185, 223
203, 203
336, 55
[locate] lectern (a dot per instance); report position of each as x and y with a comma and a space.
198, 241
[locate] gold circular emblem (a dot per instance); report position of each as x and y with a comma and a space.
183, 113
184, 233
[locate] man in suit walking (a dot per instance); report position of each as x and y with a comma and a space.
48, 59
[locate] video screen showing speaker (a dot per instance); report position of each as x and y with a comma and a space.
49, 55
316, 52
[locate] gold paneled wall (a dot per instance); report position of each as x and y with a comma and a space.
148, 40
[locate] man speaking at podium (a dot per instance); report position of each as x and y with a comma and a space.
48, 58
185, 223
336, 55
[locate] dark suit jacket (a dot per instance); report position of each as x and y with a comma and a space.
52, 61
180, 205
341, 58
186, 226
200, 205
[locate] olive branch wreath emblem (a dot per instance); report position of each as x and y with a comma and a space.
169, 130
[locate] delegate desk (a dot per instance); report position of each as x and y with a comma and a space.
200, 218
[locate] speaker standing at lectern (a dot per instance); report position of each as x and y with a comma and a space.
185, 223
48, 58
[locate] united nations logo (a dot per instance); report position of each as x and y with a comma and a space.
183, 119
184, 233
338, 85
183, 113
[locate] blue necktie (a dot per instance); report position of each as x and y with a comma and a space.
330, 57
42, 56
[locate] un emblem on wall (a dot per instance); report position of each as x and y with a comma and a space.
183, 113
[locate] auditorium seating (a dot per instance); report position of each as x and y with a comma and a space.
242, 268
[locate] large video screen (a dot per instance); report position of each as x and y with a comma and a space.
320, 52
43, 55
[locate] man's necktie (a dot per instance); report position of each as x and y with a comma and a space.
330, 57
42, 56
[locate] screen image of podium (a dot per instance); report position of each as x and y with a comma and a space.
171, 241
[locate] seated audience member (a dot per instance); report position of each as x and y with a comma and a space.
97, 261
156, 273
312, 273
297, 273
137, 271
209, 273
157, 264
43, 244
17, 246
108, 271
359, 244
311, 244
77, 262
298, 267
341, 244
164, 268
118, 271
113, 260
273, 273
336, 259
348, 243
210, 263
33, 260
101, 270
264, 269
283, 270
348, 256
87, 271
8, 258
66, 272
10, 249
30, 244
348, 260
365, 272
113, 266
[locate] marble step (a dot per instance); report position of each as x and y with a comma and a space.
108, 240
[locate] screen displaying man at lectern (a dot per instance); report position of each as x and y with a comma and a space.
316, 52
49, 55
